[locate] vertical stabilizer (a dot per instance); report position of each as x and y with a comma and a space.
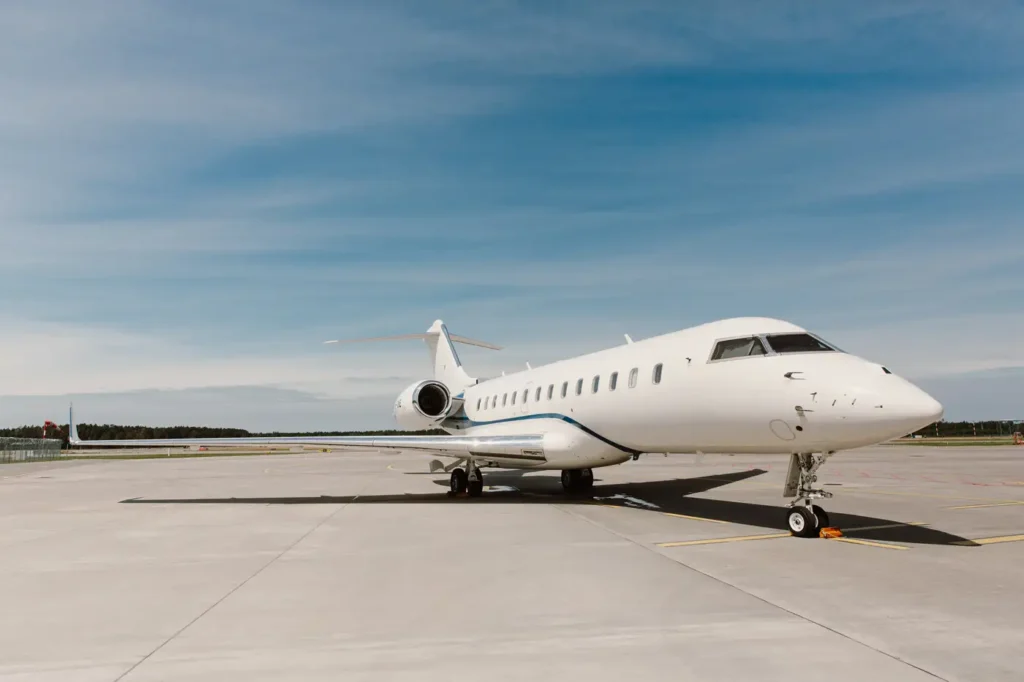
73, 438
447, 366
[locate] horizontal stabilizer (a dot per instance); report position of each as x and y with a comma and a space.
454, 337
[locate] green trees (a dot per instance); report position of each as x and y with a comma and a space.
973, 429
119, 432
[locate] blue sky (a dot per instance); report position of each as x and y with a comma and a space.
194, 194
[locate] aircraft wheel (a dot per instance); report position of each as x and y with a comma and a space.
802, 522
568, 480
577, 480
459, 481
476, 488
821, 515
586, 483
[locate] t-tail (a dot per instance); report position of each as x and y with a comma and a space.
441, 345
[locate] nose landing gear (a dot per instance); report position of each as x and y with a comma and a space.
806, 521
803, 518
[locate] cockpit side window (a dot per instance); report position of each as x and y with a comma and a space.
797, 343
738, 348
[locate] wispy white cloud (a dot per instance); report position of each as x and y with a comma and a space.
44, 359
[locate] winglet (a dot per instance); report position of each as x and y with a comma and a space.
73, 438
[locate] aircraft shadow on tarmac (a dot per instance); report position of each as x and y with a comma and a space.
671, 496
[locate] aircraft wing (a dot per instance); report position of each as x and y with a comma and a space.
528, 448
519, 450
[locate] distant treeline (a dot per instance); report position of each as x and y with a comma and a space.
118, 432
986, 428
942, 429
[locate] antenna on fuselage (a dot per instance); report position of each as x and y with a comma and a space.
628, 339
528, 366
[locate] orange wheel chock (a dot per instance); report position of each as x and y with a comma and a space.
830, 533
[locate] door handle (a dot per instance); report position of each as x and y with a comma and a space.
792, 375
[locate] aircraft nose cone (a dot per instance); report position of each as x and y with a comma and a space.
914, 408
929, 408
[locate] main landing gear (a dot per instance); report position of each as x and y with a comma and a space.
803, 518
578, 481
472, 482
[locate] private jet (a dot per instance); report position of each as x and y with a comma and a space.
743, 385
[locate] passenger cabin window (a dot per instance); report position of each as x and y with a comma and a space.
504, 399
526, 394
565, 388
537, 397
738, 348
478, 403
656, 377
579, 387
595, 384
613, 381
551, 391
633, 373
514, 398
797, 343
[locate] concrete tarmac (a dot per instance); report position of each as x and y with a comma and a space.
357, 566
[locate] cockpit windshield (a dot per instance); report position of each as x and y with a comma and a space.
797, 343
738, 348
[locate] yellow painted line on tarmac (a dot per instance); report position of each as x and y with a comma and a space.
985, 506
939, 497
884, 526
693, 518
869, 543
715, 541
993, 541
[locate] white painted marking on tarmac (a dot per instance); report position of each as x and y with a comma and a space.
631, 501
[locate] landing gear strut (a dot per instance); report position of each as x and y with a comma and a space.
472, 482
578, 480
803, 518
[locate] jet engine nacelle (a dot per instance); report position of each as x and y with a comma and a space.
424, 405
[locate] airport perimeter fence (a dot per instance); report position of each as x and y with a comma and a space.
28, 449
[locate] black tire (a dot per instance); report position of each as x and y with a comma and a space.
802, 522
568, 480
586, 481
821, 515
476, 488
459, 481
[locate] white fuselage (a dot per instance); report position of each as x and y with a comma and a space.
777, 402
